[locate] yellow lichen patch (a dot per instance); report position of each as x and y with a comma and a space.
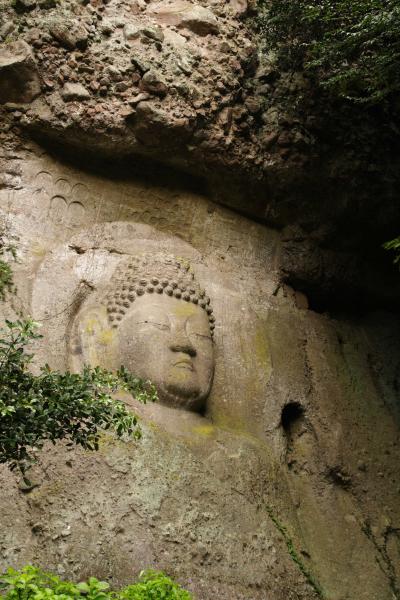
184, 262
179, 376
38, 250
90, 325
229, 422
108, 441
47, 490
184, 309
106, 337
206, 430
153, 425
261, 346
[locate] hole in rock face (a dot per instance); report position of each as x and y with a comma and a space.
292, 415
294, 428
339, 477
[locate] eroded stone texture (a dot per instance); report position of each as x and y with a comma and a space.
19, 77
74, 91
186, 15
190, 85
300, 428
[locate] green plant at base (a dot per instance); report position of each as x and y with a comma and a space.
54, 406
350, 46
153, 585
33, 584
293, 554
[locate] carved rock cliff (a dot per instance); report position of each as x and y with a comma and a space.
189, 85
130, 126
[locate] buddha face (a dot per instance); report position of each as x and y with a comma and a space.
168, 341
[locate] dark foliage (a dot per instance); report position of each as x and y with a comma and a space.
54, 406
351, 47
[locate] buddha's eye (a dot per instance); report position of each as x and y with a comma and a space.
199, 336
160, 326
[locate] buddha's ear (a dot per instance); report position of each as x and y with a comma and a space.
93, 341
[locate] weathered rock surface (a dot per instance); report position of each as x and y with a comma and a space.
302, 425
225, 113
74, 91
25, 5
69, 33
207, 55
152, 83
192, 59
19, 77
182, 14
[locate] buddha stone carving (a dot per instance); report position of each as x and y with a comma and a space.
164, 325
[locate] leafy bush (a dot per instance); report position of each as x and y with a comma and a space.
154, 586
351, 46
55, 406
33, 584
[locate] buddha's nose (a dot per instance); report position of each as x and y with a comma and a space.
181, 343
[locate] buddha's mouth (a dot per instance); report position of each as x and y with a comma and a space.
184, 363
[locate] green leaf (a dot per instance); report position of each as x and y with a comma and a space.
56, 406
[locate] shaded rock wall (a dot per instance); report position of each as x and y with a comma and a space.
301, 429
192, 85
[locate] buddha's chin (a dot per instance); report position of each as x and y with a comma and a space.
187, 397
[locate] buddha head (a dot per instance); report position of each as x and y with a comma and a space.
164, 325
